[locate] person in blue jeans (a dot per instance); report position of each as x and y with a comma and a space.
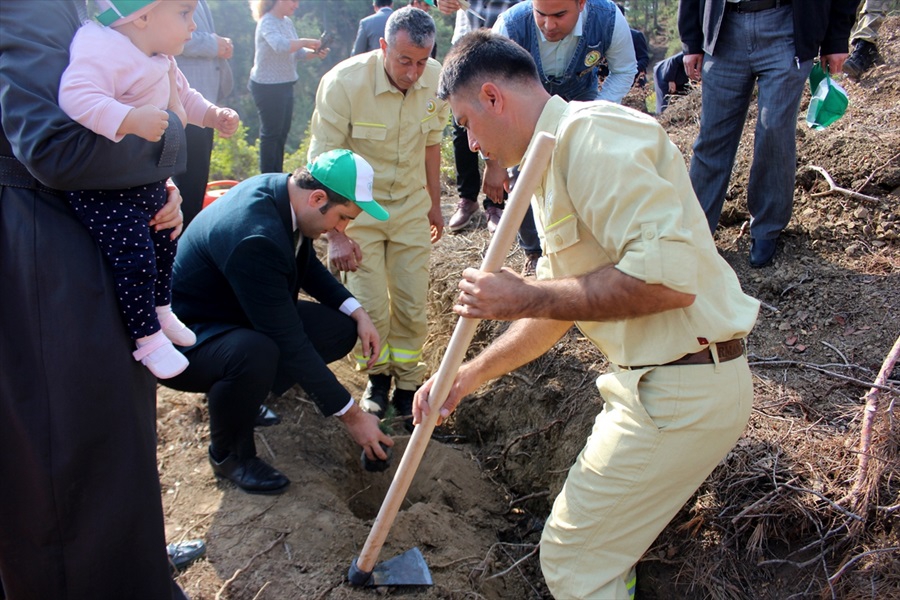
769, 44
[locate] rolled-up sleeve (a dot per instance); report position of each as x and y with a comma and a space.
631, 209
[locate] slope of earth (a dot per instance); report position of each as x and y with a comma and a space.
777, 518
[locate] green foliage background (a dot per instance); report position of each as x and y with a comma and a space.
236, 158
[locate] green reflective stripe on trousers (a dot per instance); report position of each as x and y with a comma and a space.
362, 361
631, 583
400, 355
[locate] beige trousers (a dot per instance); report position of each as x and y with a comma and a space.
660, 434
868, 21
392, 285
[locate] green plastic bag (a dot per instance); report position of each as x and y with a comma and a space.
829, 100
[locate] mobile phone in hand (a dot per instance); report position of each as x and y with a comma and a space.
326, 38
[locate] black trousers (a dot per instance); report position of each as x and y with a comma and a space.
275, 103
237, 370
80, 507
192, 183
468, 177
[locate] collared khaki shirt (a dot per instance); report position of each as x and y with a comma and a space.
617, 193
358, 108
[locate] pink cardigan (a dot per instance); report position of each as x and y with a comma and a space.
107, 76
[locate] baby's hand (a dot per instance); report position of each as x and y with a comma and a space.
227, 121
145, 121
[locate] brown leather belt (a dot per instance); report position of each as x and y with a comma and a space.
748, 6
729, 350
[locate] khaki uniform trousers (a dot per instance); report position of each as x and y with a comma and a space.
392, 285
868, 21
660, 434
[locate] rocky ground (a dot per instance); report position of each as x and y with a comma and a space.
779, 518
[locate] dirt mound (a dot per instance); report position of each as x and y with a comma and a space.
776, 519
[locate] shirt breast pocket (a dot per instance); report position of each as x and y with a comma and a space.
562, 234
430, 124
369, 131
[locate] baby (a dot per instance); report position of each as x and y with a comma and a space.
121, 79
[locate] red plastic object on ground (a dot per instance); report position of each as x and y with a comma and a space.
217, 189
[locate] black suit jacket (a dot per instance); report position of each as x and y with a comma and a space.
236, 267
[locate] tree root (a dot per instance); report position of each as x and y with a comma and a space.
833, 187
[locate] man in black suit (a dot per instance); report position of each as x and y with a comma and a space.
80, 508
237, 273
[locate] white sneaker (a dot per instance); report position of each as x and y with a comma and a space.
160, 356
175, 330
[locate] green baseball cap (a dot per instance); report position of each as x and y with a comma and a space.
117, 12
349, 175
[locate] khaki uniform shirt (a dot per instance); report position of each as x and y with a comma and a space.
358, 108
617, 193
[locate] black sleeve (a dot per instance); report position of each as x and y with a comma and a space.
840, 23
318, 281
260, 277
641, 50
34, 51
690, 16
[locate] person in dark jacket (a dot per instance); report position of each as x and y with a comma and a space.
740, 45
669, 79
641, 55
371, 28
80, 512
238, 270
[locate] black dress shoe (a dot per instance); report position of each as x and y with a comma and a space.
266, 417
252, 475
762, 252
375, 398
183, 554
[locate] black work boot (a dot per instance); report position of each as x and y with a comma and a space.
864, 55
375, 398
403, 402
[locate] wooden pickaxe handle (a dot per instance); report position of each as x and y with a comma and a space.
514, 211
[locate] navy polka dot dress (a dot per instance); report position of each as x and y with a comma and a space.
141, 258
